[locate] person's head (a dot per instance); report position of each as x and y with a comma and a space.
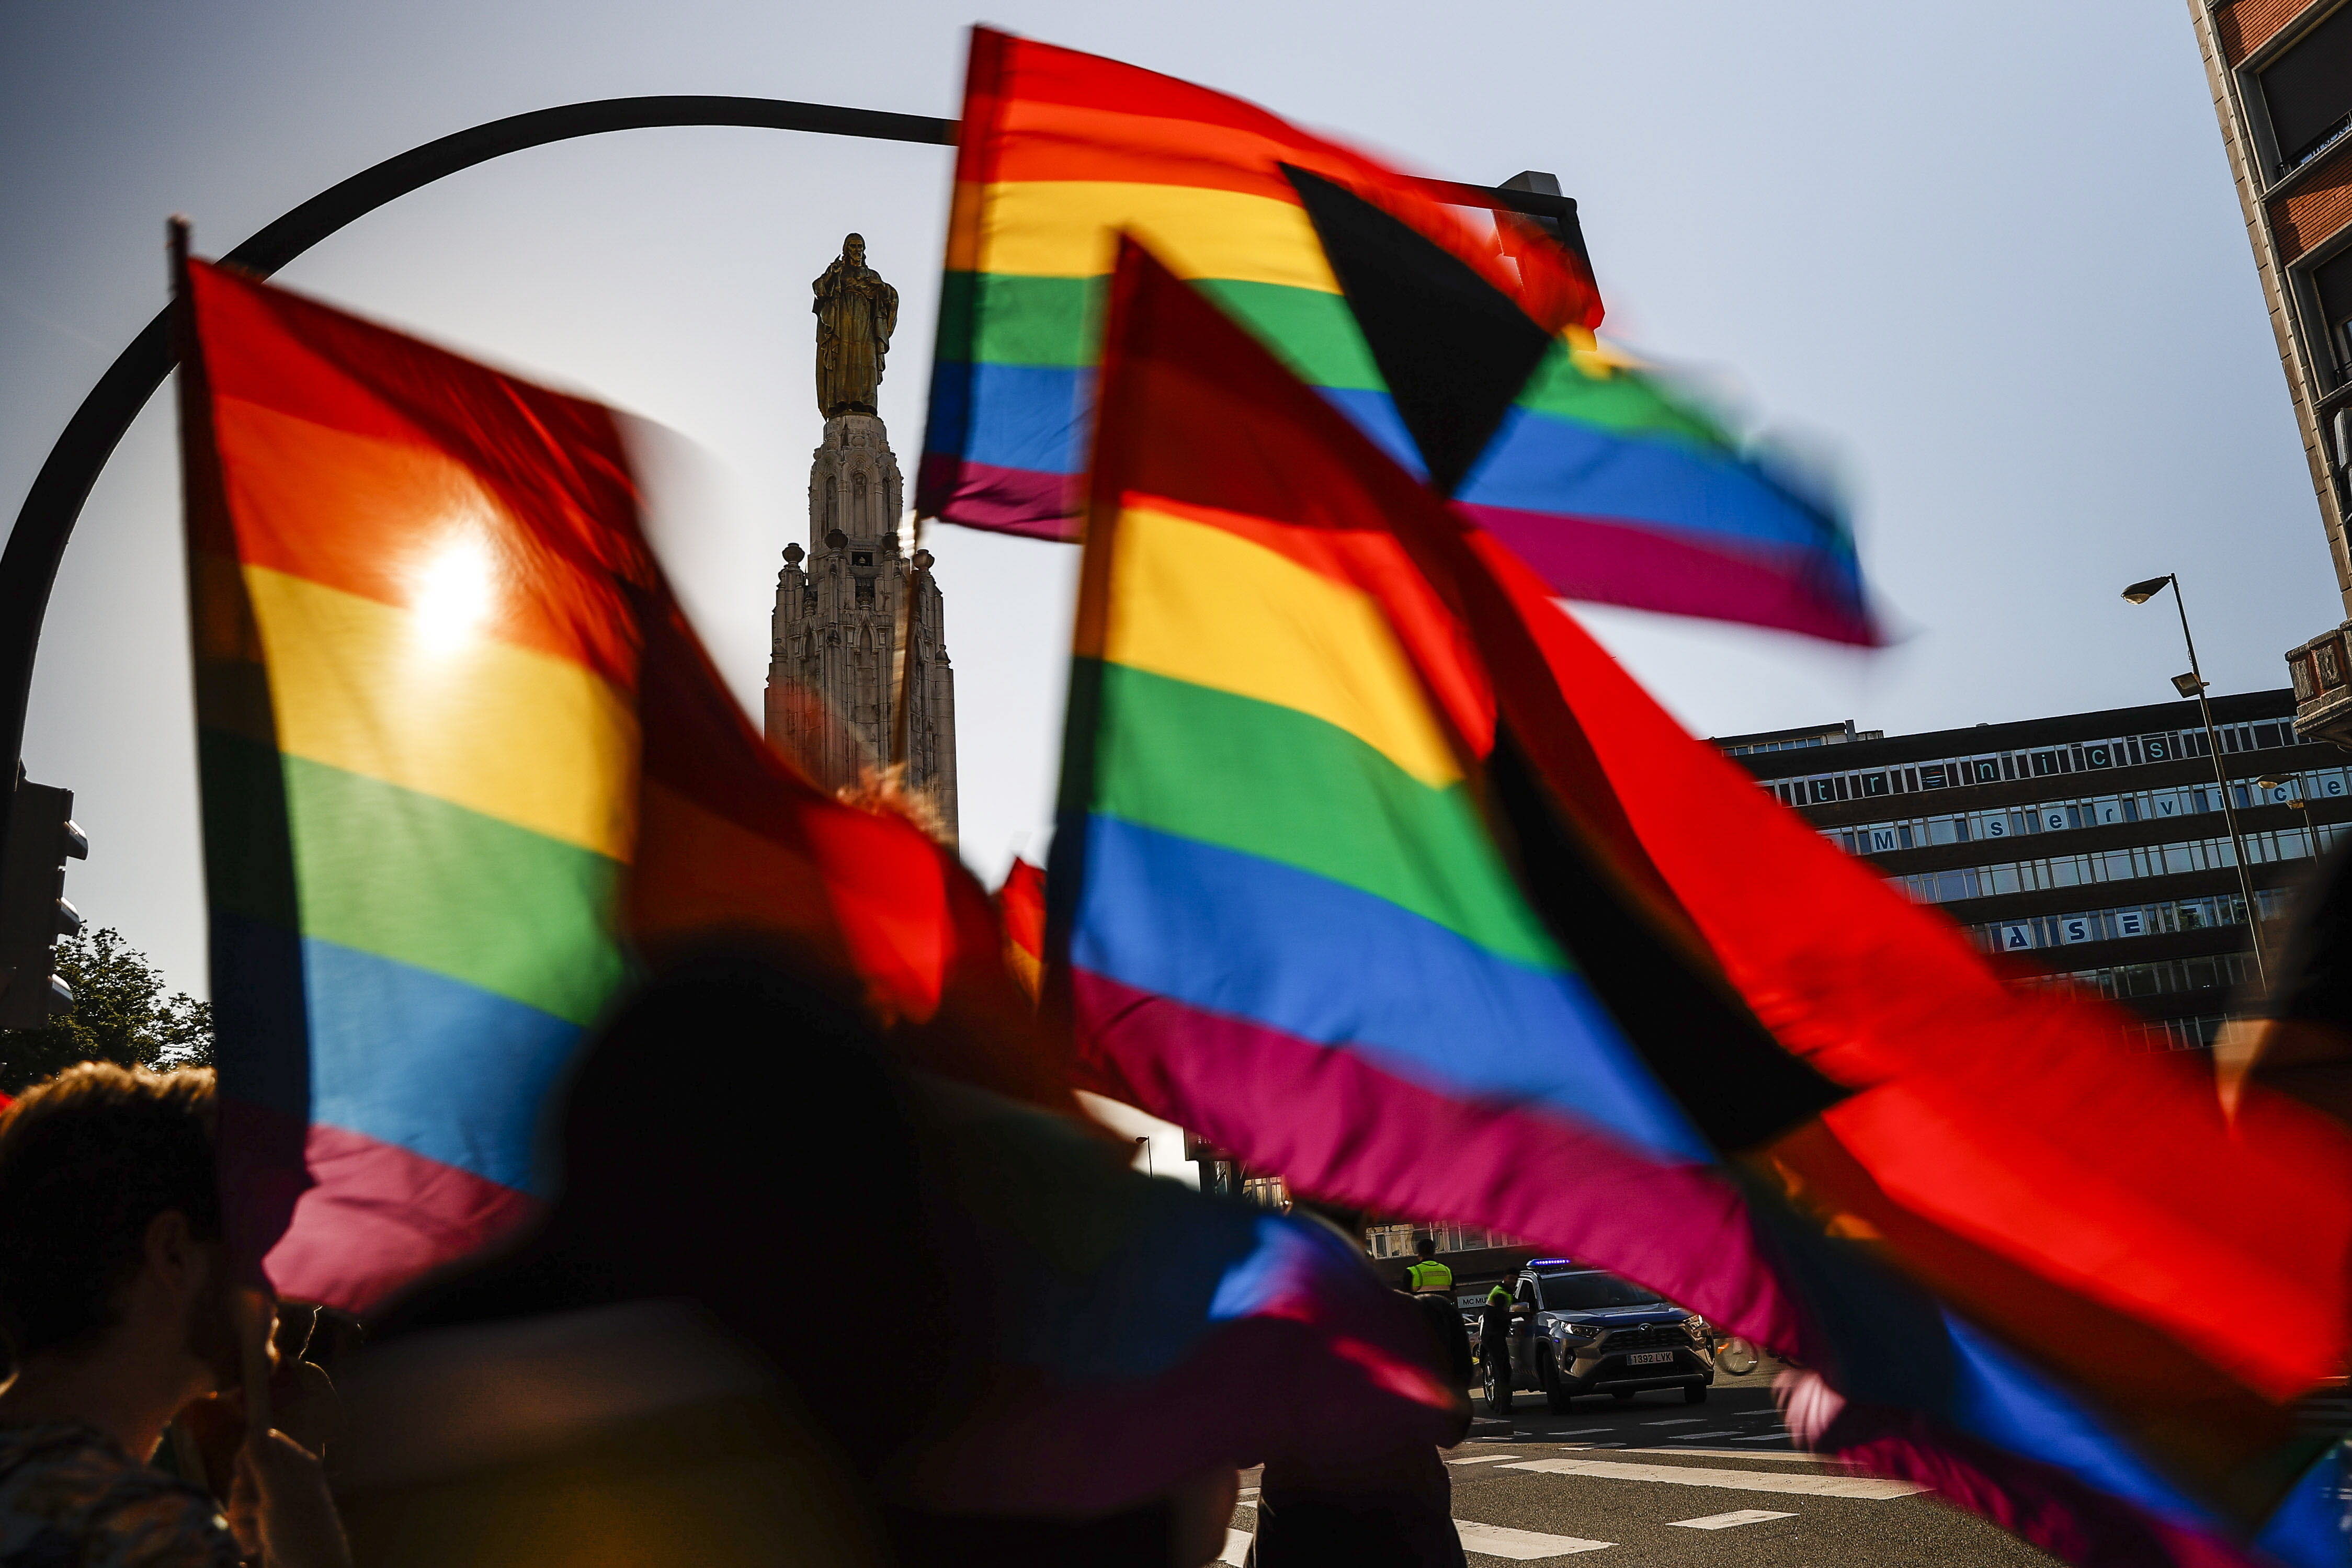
1425, 1247
111, 1223
852, 249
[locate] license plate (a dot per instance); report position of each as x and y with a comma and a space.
1649, 1358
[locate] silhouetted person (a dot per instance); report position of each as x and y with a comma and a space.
117, 1307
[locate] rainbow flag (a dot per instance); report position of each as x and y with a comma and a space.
1373, 868
466, 769
1463, 345
464, 766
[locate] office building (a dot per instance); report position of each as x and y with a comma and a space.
2091, 846
2281, 74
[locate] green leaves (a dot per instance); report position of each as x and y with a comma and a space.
120, 1015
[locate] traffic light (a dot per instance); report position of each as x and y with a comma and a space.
33, 909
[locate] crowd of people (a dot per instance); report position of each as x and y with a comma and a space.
649, 1373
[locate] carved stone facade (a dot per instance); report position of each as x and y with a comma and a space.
833, 676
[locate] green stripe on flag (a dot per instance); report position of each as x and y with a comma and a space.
406, 876
1627, 403
1277, 783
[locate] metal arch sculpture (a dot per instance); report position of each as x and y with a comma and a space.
29, 565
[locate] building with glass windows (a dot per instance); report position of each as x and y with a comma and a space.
2281, 74
2091, 847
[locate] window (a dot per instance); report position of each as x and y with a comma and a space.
1267, 1193
1590, 1290
2308, 91
2331, 289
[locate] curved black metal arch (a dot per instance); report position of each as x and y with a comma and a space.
29, 565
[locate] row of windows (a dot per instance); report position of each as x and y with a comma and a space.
2181, 1033
2166, 977
1397, 1240
1996, 767
2109, 866
1806, 743
2061, 816
2131, 920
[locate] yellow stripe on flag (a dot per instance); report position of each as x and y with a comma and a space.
1195, 603
1068, 229
526, 737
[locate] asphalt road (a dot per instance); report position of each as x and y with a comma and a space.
1654, 1480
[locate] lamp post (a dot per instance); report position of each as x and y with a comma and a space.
2301, 803
2193, 684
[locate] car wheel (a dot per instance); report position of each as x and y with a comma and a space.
1695, 1394
1498, 1396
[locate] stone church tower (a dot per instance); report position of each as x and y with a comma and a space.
842, 604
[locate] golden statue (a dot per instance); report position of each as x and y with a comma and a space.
856, 314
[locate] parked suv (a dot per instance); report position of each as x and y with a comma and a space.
1576, 1330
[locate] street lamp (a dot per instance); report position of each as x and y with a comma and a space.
2193, 684
2301, 803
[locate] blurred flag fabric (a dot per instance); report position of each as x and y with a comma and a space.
1373, 868
463, 759
1465, 349
1021, 905
464, 767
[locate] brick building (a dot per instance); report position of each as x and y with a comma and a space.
2281, 73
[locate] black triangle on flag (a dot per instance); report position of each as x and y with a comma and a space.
1454, 349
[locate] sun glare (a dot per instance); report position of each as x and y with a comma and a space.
456, 589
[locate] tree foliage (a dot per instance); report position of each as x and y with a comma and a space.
120, 1015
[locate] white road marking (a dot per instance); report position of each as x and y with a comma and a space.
1236, 1548
1521, 1545
1767, 1437
1725, 1520
1482, 1459
1694, 1437
1736, 1481
1735, 1454
1678, 1421
1584, 1431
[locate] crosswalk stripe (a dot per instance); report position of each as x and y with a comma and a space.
1727, 1521
1694, 1437
1482, 1459
1728, 1454
1736, 1481
1677, 1421
1520, 1545
1236, 1548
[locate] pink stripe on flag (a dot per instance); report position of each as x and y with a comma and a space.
1647, 567
376, 1217
1002, 500
1338, 1127
2038, 1504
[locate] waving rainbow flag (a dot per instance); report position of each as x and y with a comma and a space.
1372, 868
1464, 346
463, 762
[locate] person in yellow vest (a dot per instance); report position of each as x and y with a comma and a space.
1428, 1274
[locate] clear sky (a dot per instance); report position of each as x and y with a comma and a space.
1986, 260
